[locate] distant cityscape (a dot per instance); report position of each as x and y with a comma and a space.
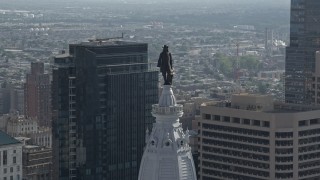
82, 98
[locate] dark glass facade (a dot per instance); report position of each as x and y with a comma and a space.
300, 55
103, 94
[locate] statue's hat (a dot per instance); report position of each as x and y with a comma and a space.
165, 47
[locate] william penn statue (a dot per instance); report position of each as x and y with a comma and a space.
165, 64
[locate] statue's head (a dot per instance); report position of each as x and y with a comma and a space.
165, 48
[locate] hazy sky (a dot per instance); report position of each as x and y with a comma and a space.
41, 4
159, 1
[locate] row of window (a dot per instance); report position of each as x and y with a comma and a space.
309, 132
223, 175
309, 164
284, 167
284, 175
309, 140
5, 170
309, 156
237, 146
236, 130
284, 134
309, 172
284, 143
236, 120
11, 178
284, 159
236, 169
235, 138
234, 153
309, 122
284, 151
231, 160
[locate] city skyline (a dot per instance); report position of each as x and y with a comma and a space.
242, 105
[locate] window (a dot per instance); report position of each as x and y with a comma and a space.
207, 116
11, 169
303, 123
256, 122
236, 120
4, 158
14, 160
18, 168
246, 121
313, 121
217, 117
266, 124
4, 170
11, 177
4, 178
226, 119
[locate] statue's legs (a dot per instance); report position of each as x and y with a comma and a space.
164, 74
169, 78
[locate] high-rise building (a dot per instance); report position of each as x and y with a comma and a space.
11, 99
5, 90
167, 154
17, 100
300, 55
38, 95
255, 138
103, 93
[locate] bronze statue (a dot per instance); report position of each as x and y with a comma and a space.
165, 64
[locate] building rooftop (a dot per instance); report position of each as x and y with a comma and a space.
107, 42
5, 139
262, 103
30, 146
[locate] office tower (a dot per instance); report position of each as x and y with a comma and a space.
11, 99
5, 89
17, 100
11, 157
300, 55
167, 154
103, 93
255, 138
38, 95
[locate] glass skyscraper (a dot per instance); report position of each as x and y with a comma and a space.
300, 55
102, 97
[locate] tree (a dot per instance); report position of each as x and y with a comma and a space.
225, 64
249, 62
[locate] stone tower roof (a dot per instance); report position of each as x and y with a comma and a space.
167, 154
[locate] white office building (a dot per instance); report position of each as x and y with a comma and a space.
254, 138
10, 158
